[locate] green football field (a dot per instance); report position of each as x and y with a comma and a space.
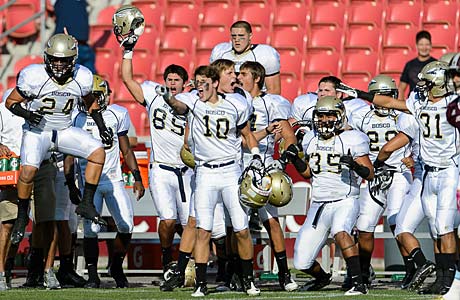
154, 293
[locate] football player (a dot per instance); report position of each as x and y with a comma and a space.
379, 124
217, 123
50, 91
439, 151
241, 49
111, 187
169, 179
337, 159
269, 117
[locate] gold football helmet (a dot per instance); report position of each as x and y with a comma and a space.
433, 78
187, 157
128, 24
61, 53
255, 187
101, 90
383, 85
329, 105
281, 193
447, 57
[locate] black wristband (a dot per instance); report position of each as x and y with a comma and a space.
299, 164
137, 175
17, 109
362, 171
378, 163
365, 95
267, 131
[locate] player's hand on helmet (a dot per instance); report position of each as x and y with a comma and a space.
292, 151
107, 137
347, 160
256, 162
129, 44
277, 164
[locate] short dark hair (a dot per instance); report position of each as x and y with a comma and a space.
208, 71
257, 71
222, 64
175, 69
331, 79
423, 34
242, 24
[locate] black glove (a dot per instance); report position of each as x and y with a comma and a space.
292, 151
355, 93
256, 162
74, 193
32, 117
107, 137
347, 160
129, 46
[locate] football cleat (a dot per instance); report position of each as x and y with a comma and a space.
421, 274
201, 290
407, 279
19, 229
317, 284
249, 286
70, 278
175, 280
50, 280
3, 284
287, 283
357, 289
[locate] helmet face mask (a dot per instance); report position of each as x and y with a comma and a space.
61, 52
128, 24
255, 187
434, 78
328, 116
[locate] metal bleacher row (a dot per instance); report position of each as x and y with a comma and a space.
352, 39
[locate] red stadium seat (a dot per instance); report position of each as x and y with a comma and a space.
322, 62
290, 87
212, 35
311, 80
443, 36
101, 36
25, 61
260, 35
394, 60
400, 37
167, 57
290, 13
16, 14
202, 57
326, 37
153, 12
404, 13
365, 13
440, 12
256, 13
105, 15
328, 13
178, 37
291, 63
363, 37
138, 115
218, 13
358, 80
360, 62
183, 13
288, 37
143, 64
150, 40
107, 64
122, 94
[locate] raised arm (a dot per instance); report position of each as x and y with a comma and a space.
127, 76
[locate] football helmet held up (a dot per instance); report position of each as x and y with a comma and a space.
383, 85
325, 108
433, 78
128, 24
255, 187
61, 52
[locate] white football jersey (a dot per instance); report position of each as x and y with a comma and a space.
214, 127
10, 129
268, 108
408, 125
266, 55
380, 130
439, 141
303, 106
116, 118
46, 97
330, 180
166, 128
